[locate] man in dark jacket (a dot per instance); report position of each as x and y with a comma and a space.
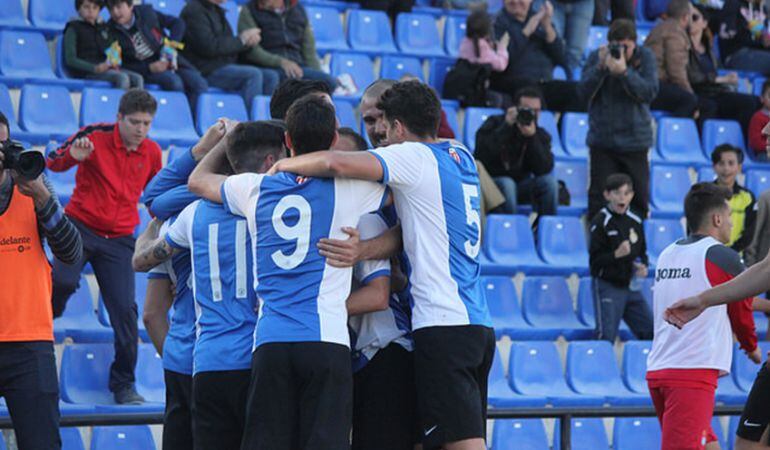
140, 30
619, 92
517, 154
213, 48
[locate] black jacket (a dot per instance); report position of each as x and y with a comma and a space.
505, 152
92, 41
282, 33
734, 32
209, 40
608, 231
152, 24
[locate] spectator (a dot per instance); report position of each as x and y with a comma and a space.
291, 90
743, 36
728, 163
572, 21
477, 46
86, 39
140, 30
618, 253
760, 119
115, 162
619, 124
670, 43
391, 7
27, 362
620, 9
214, 50
288, 42
517, 154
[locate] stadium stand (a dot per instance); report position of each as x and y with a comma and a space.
24, 58
173, 123
716, 131
636, 433
260, 108
369, 32
547, 121
668, 186
168, 7
634, 365
213, 106
327, 28
587, 434
129, 437
757, 181
547, 304
346, 113
99, 105
474, 118
679, 142
46, 110
358, 66
417, 34
437, 70
71, 439
50, 16
79, 321
506, 312
586, 308
510, 247
500, 394
575, 175
519, 433
395, 67
574, 129
562, 244
12, 16
454, 32
659, 233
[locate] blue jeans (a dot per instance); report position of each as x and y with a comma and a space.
120, 79
249, 81
750, 59
541, 192
184, 79
613, 303
572, 21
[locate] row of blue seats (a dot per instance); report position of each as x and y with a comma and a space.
136, 437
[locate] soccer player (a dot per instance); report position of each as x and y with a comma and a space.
436, 194
301, 390
683, 365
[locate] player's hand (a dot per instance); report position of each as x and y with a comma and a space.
684, 311
755, 356
624, 249
213, 135
276, 168
342, 254
81, 149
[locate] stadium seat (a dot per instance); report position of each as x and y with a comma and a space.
591, 369
534, 368
173, 123
728, 392
24, 57
757, 181
678, 141
369, 32
149, 374
499, 393
654, 8
213, 106
454, 32
99, 105
168, 7
417, 34
129, 437
546, 304
706, 173
634, 365
641, 33
327, 28
761, 323
732, 427
63, 182
636, 433
62, 71
717, 132
451, 117
575, 176
515, 434
437, 70
744, 370
756, 85
586, 311
574, 130
474, 119
358, 66
12, 15
659, 234
260, 108
140, 290
45, 109
231, 14
79, 321
668, 187
345, 113
506, 312
597, 37
587, 434
716, 424
510, 247
70, 439
6, 107
548, 122
562, 244
394, 67
50, 16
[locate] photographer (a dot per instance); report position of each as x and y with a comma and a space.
620, 80
517, 154
29, 214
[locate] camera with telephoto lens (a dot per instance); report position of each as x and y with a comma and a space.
617, 50
525, 116
29, 164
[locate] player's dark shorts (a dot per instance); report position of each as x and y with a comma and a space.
177, 418
451, 369
301, 396
756, 412
220, 408
385, 402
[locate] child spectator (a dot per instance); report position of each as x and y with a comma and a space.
477, 46
757, 141
618, 253
85, 41
728, 164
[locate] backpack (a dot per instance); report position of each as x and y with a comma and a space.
467, 82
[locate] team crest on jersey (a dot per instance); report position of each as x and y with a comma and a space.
454, 155
301, 180
632, 236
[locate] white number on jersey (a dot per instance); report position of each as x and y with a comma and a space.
472, 219
240, 261
299, 232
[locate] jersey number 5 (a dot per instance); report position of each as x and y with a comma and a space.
299, 232
473, 219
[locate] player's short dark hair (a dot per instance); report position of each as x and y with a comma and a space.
251, 142
721, 149
291, 90
622, 29
137, 100
415, 105
79, 3
376, 89
529, 92
702, 200
4, 121
677, 9
617, 181
312, 124
357, 139
113, 3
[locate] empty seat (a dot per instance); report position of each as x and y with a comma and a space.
634, 365
514, 434
327, 28
510, 247
574, 129
728, 392
474, 119
45, 109
591, 369
99, 105
359, 67
70, 439
547, 304
63, 182
79, 321
659, 234
345, 113
169, 7
173, 122
417, 34
454, 32
213, 106
636, 433
575, 176
597, 36
506, 313
744, 370
437, 70
131, 437
260, 108
369, 31
394, 67
499, 393
587, 434
534, 368
668, 187
50, 15
562, 244
706, 173
12, 15
757, 181
548, 122
24, 57
678, 141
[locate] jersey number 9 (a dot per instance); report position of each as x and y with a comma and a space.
299, 232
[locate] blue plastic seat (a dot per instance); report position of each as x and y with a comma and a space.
757, 181
534, 368
79, 321
6, 107
70, 439
417, 34
12, 15
591, 369
499, 393
62, 71
24, 57
506, 312
260, 108
99, 105
346, 113
129, 437
45, 109
716, 424
63, 182
451, 117
510, 247
327, 28
173, 123
168, 7
678, 141
717, 132
231, 14
756, 85
140, 291
706, 173
474, 119
437, 70
547, 304
574, 129
548, 122
369, 32
642, 32
587, 434
744, 370
562, 244
636, 433
454, 32
575, 176
597, 36
668, 187
732, 427
394, 67
213, 106
50, 16
515, 434
728, 393
358, 66
586, 310
659, 234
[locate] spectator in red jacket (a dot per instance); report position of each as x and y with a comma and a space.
757, 140
115, 162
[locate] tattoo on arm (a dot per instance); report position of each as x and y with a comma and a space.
161, 251
149, 256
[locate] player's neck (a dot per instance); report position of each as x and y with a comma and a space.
711, 232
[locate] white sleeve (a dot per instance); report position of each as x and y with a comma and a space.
178, 233
163, 271
360, 196
402, 164
370, 226
238, 191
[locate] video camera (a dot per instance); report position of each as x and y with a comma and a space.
29, 164
525, 116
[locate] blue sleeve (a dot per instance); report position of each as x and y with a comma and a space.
173, 175
172, 202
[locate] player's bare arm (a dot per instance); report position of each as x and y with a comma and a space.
372, 297
204, 180
328, 164
151, 249
158, 301
346, 253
